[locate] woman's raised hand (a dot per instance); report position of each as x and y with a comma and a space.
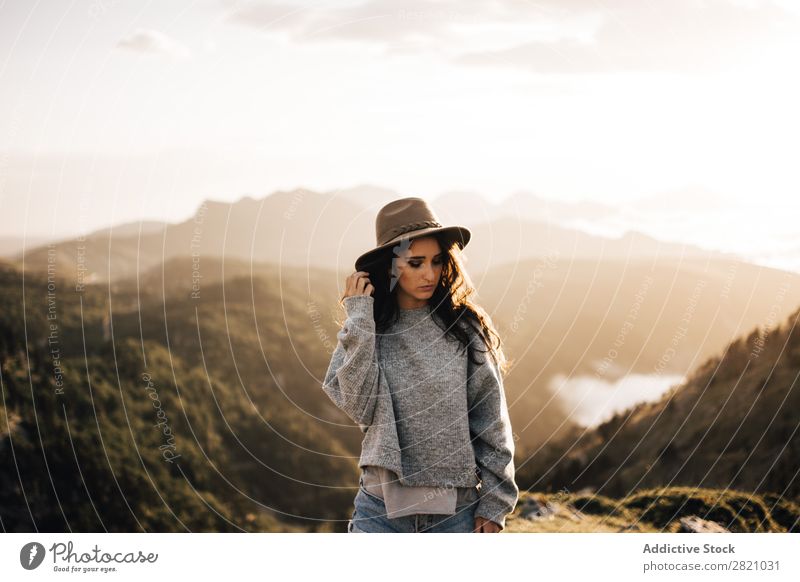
358, 284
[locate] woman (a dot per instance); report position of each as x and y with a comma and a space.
419, 368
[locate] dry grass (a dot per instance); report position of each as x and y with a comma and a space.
655, 510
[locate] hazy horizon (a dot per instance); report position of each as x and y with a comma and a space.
710, 223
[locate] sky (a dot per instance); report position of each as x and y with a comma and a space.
118, 110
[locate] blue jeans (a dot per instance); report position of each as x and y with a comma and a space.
370, 517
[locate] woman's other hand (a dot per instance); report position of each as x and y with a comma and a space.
357, 284
483, 525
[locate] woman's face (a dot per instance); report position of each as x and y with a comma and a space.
419, 269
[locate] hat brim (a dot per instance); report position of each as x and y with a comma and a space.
458, 234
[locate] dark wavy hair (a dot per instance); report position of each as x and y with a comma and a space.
451, 301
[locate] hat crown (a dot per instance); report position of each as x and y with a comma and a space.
403, 216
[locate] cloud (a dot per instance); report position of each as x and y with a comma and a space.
154, 42
683, 35
548, 36
382, 22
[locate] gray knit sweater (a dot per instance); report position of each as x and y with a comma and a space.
428, 413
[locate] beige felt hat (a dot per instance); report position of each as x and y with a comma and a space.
408, 218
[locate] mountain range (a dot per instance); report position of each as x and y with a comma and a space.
231, 318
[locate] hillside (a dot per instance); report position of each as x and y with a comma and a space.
235, 366
172, 426
732, 424
566, 322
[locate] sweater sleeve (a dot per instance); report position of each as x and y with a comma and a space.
351, 381
492, 437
